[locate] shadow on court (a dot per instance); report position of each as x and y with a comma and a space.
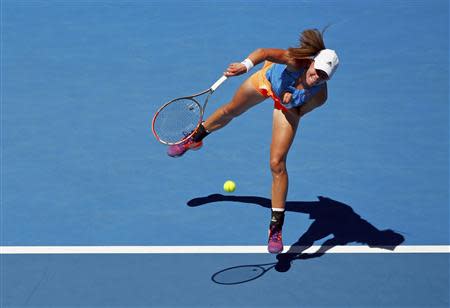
330, 217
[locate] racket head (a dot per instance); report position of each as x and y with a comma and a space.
177, 120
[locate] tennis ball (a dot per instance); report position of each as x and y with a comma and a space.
229, 186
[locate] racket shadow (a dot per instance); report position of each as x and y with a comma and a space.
329, 217
241, 273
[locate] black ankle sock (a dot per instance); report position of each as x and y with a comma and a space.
200, 133
277, 220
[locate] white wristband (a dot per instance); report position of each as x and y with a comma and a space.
248, 64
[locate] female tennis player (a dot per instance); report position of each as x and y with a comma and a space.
296, 81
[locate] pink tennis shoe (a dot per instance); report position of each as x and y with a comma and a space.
275, 244
178, 150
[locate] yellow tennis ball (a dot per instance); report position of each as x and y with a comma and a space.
229, 186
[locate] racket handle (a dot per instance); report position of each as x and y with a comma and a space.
218, 83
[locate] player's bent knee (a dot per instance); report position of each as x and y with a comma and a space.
230, 112
277, 166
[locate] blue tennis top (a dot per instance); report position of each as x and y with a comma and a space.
283, 80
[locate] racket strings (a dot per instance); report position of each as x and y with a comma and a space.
177, 120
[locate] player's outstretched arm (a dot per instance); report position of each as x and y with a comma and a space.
256, 57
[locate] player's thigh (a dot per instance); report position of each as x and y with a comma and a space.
244, 98
284, 127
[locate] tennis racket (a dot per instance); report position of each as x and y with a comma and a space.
177, 120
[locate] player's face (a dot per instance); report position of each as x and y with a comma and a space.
315, 77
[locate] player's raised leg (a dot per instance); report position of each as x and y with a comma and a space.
244, 98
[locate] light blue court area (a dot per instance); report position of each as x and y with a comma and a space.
80, 82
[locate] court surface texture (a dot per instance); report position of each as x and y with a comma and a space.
95, 214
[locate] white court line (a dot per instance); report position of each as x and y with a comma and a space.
6, 250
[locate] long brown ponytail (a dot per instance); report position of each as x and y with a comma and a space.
311, 42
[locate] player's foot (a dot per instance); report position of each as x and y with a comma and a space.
275, 244
178, 150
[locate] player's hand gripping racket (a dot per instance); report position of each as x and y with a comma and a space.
177, 120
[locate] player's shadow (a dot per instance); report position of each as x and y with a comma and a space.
330, 217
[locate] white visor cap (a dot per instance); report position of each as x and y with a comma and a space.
326, 60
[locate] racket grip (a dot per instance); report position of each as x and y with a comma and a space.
218, 83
